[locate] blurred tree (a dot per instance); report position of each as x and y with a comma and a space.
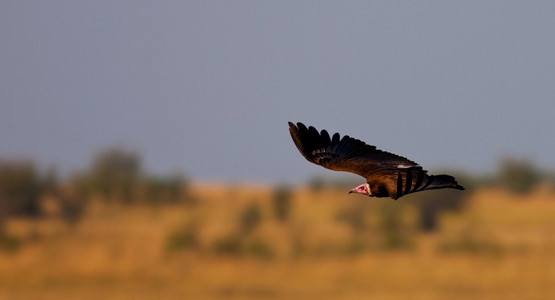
518, 175
20, 189
282, 203
431, 204
50, 181
164, 189
250, 218
428, 213
72, 208
115, 173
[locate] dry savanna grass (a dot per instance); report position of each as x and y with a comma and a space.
230, 245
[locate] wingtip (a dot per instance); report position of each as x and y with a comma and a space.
458, 186
295, 125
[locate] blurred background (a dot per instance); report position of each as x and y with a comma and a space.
145, 152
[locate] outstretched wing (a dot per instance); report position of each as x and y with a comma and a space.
344, 154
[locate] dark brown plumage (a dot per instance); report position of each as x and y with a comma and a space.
387, 174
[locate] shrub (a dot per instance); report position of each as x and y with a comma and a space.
259, 249
168, 189
472, 239
228, 245
8, 242
20, 189
115, 173
250, 218
430, 204
185, 237
282, 203
71, 208
354, 247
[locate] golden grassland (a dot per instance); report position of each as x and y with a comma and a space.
501, 246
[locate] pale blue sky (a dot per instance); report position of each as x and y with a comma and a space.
207, 87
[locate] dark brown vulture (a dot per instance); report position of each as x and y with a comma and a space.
387, 174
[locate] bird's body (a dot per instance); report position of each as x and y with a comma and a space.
387, 174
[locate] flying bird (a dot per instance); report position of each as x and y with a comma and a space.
387, 174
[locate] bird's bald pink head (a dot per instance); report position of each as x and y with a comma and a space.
363, 189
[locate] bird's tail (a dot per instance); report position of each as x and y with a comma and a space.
443, 181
